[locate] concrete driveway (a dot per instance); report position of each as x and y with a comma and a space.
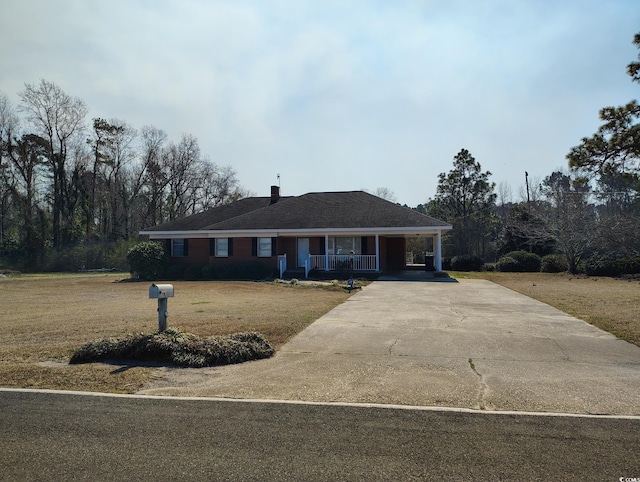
470, 344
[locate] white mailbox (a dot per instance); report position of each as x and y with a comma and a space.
161, 291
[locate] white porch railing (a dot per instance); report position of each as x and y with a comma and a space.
282, 264
361, 262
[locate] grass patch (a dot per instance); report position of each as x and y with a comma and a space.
46, 318
178, 348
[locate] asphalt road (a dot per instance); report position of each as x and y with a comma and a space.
63, 436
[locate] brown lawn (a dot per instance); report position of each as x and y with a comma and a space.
45, 318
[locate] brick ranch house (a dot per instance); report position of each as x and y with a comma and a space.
296, 234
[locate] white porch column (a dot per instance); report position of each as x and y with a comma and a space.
437, 251
326, 252
377, 252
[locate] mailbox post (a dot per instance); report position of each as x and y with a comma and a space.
161, 292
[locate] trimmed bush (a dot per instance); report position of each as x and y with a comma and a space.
466, 262
507, 264
602, 266
175, 271
193, 272
208, 272
525, 262
553, 263
147, 260
179, 348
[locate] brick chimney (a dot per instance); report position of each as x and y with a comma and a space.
275, 194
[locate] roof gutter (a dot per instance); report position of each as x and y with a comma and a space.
385, 231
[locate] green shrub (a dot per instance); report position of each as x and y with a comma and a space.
525, 262
466, 262
489, 267
175, 271
253, 270
147, 260
602, 266
630, 265
446, 263
507, 264
553, 263
208, 272
193, 272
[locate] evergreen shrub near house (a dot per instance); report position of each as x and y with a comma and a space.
208, 272
253, 270
466, 262
524, 262
193, 272
147, 260
175, 271
249, 270
553, 263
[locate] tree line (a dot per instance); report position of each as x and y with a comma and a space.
66, 181
589, 213
75, 193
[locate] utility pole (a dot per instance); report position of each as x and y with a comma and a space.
526, 181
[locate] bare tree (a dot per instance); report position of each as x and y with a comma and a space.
154, 178
565, 217
182, 161
219, 185
8, 128
57, 117
385, 193
505, 195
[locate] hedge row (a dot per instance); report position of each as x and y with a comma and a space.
524, 262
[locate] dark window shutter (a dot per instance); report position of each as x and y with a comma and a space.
167, 247
363, 245
230, 241
254, 246
186, 247
273, 246
323, 246
212, 247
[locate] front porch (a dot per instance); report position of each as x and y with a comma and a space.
360, 255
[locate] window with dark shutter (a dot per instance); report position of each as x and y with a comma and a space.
265, 247
179, 248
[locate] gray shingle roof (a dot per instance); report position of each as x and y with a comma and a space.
214, 215
322, 210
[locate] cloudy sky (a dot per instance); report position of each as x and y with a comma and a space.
338, 95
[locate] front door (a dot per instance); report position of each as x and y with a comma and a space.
303, 251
